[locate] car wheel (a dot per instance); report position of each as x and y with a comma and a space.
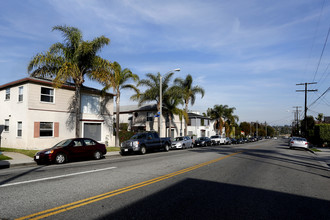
184, 147
167, 148
60, 158
143, 150
97, 155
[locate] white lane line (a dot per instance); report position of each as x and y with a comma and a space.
56, 177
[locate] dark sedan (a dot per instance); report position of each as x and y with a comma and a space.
203, 141
70, 149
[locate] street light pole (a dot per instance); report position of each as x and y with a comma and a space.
161, 100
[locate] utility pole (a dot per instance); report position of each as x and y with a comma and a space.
296, 116
306, 90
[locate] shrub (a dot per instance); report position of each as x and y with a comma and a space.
322, 133
125, 135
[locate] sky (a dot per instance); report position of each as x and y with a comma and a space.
245, 54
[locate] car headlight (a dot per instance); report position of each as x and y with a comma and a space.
49, 152
203, 142
135, 145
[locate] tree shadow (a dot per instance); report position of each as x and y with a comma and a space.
201, 199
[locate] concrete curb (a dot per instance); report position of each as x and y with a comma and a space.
5, 164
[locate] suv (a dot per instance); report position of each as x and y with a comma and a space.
217, 140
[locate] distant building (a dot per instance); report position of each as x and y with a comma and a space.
200, 126
143, 118
327, 119
35, 115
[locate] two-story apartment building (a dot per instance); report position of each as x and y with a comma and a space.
200, 126
35, 115
142, 118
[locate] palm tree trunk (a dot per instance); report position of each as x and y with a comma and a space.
117, 118
185, 122
77, 109
170, 127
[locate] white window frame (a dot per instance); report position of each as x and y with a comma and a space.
20, 93
7, 95
6, 128
42, 129
19, 129
48, 95
150, 115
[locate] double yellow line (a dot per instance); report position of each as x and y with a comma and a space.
83, 202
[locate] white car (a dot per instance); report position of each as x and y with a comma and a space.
298, 142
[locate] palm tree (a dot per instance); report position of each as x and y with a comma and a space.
72, 60
230, 119
217, 113
152, 84
117, 79
172, 99
189, 93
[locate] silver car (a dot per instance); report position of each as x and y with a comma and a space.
181, 143
298, 142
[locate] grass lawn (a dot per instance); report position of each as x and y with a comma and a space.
109, 149
315, 150
3, 157
29, 153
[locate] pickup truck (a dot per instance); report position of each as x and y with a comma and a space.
143, 142
217, 140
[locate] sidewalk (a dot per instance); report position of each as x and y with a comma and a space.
23, 160
323, 156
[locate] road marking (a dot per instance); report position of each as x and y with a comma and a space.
83, 202
56, 177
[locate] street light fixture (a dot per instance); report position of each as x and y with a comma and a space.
161, 100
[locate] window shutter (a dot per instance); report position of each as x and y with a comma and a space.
36, 129
56, 129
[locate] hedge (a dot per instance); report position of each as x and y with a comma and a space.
322, 133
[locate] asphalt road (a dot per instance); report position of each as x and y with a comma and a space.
261, 180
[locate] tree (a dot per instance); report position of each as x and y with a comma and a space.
189, 93
152, 84
70, 61
230, 119
217, 113
172, 99
117, 79
319, 117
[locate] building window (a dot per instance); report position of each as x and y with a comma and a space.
7, 94
202, 122
47, 95
150, 116
20, 94
90, 104
46, 129
19, 129
6, 125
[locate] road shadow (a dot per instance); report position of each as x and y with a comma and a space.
200, 199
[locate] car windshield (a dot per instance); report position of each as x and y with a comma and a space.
178, 139
300, 139
63, 143
214, 136
138, 136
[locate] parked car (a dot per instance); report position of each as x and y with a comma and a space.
240, 141
181, 143
298, 142
144, 141
217, 140
228, 141
69, 149
234, 141
203, 141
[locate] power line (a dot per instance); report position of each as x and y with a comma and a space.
324, 45
319, 97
